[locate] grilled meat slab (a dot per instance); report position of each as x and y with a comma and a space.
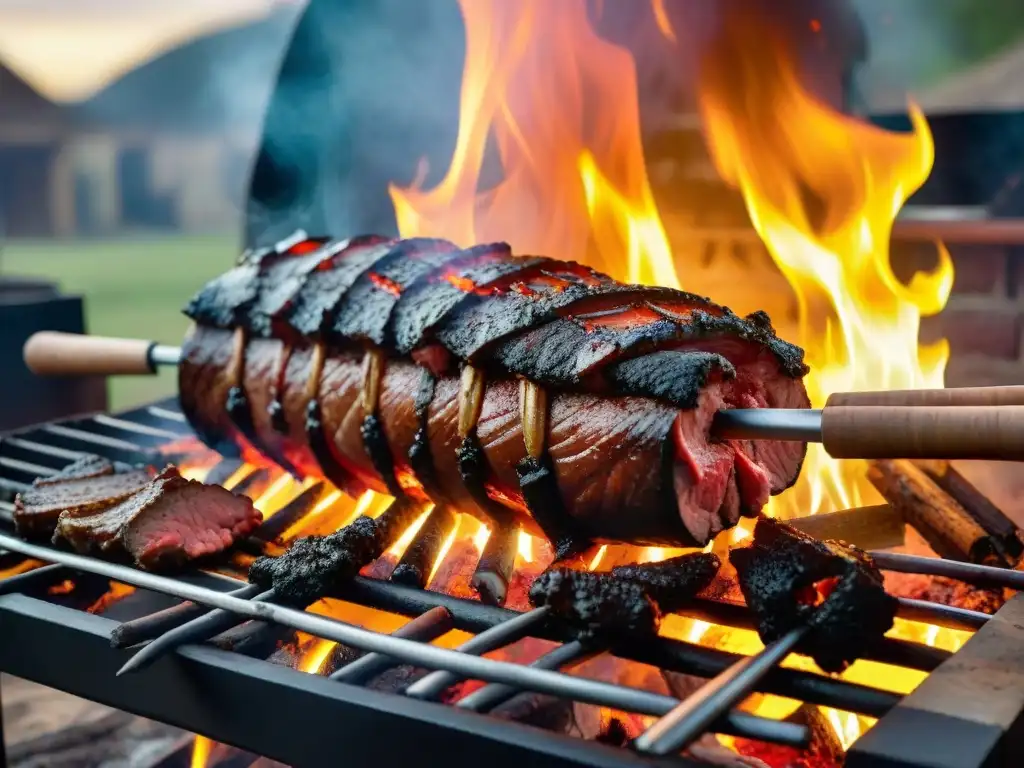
790, 579
87, 486
494, 383
169, 521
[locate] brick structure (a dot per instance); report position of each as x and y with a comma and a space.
983, 317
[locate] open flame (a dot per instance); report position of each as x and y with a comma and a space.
823, 191
559, 107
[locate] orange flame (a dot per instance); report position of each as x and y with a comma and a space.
823, 191
574, 180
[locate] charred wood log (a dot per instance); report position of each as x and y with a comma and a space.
414, 568
490, 580
1005, 533
947, 527
290, 513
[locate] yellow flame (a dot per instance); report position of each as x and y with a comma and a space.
598, 557
397, 549
823, 191
315, 657
561, 104
201, 749
525, 547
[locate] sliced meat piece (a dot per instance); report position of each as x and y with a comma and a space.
169, 522
280, 278
82, 468
564, 351
37, 510
341, 414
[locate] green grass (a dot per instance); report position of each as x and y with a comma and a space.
133, 287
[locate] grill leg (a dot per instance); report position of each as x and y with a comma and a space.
3, 743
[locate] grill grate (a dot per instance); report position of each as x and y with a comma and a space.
238, 700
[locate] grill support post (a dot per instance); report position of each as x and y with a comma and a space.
969, 713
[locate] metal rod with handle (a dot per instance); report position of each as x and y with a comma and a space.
980, 423
52, 353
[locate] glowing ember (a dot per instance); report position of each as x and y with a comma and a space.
115, 593
201, 749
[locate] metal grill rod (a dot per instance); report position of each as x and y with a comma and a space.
978, 575
429, 656
680, 727
195, 631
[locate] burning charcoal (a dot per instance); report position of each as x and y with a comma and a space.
672, 583
629, 598
316, 566
596, 602
790, 579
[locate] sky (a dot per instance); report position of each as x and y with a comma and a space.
70, 49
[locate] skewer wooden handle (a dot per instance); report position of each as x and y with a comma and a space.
939, 398
909, 432
51, 353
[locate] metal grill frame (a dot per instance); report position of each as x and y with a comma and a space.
210, 691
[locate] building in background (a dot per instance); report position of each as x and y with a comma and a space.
165, 147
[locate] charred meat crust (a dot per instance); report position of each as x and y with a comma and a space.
790, 580
619, 359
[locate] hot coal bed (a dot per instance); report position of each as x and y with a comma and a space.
241, 688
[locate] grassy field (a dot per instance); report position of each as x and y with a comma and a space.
132, 287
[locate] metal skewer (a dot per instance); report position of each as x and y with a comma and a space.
690, 718
902, 425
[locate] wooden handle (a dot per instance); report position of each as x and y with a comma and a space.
935, 397
50, 353
908, 432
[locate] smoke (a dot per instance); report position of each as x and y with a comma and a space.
368, 89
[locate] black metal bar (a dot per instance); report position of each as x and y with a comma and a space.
414, 568
290, 513
664, 653
195, 631
942, 615
32, 446
564, 656
139, 429
254, 479
148, 627
424, 628
978, 575
166, 414
431, 686
680, 727
222, 471
33, 579
236, 700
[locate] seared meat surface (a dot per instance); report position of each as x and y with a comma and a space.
790, 580
89, 485
168, 522
415, 368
